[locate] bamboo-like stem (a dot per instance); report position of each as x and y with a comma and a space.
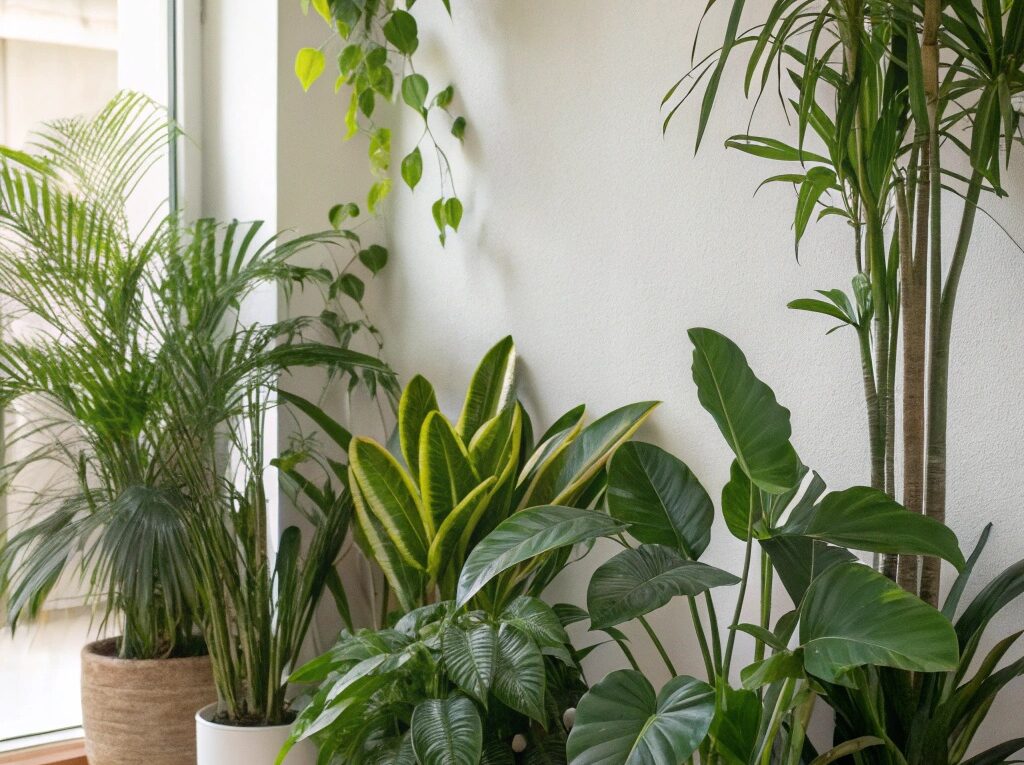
934, 503
913, 275
938, 385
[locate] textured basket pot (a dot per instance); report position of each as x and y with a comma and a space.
141, 711
237, 745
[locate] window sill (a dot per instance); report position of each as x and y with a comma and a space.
64, 753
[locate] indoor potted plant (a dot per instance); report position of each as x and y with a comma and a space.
438, 681
116, 369
257, 592
91, 387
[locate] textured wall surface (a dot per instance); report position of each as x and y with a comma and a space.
597, 242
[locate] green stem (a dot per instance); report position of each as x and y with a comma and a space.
737, 614
716, 643
767, 573
702, 640
657, 644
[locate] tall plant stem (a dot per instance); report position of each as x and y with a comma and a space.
766, 601
658, 645
938, 385
702, 640
716, 642
913, 276
731, 640
934, 503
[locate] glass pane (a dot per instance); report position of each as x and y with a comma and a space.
60, 58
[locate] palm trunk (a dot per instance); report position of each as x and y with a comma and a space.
938, 386
913, 283
934, 503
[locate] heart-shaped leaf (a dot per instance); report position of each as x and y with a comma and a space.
447, 732
660, 499
863, 518
852, 616
754, 424
526, 534
621, 721
636, 582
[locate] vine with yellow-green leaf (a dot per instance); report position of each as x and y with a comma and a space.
375, 63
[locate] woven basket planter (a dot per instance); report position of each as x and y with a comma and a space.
142, 712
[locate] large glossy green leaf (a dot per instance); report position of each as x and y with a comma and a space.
418, 400
447, 732
753, 423
863, 518
621, 721
638, 581
567, 472
446, 476
469, 657
735, 727
519, 677
490, 389
391, 498
660, 499
799, 560
526, 534
852, 616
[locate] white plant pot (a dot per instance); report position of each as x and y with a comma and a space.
236, 745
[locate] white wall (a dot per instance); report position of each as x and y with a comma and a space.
597, 242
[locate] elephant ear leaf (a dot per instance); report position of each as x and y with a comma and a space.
852, 616
863, 518
490, 390
622, 720
447, 732
418, 400
754, 424
660, 498
638, 581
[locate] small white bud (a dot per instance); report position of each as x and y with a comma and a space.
569, 718
518, 743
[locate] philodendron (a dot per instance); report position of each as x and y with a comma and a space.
848, 626
457, 677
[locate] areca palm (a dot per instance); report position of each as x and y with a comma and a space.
129, 367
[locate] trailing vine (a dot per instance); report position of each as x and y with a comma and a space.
375, 62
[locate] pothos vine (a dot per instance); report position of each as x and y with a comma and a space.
378, 40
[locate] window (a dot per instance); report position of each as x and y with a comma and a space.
59, 58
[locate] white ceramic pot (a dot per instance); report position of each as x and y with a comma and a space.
236, 745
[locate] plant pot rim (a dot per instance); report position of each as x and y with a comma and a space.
105, 652
204, 718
